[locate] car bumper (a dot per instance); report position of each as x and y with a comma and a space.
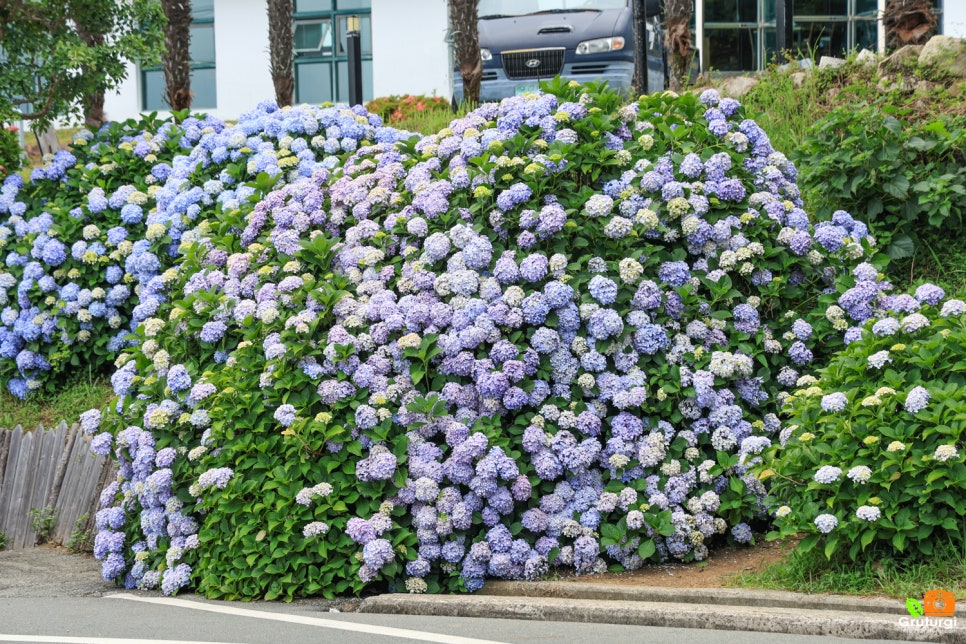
496, 86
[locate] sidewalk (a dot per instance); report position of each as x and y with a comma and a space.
714, 608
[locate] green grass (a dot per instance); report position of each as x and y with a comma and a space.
886, 576
67, 403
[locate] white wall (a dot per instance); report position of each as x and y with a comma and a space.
125, 102
242, 70
410, 56
409, 51
242, 74
954, 18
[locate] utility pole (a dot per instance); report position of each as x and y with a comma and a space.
640, 46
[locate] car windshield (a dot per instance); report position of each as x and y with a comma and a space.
488, 9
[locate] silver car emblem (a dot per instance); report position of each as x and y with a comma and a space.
533, 62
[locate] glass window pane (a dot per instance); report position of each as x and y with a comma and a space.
820, 38
721, 11
204, 89
732, 11
312, 5
365, 31
344, 81
821, 7
866, 34
314, 36
353, 4
732, 49
313, 82
771, 44
202, 48
202, 10
154, 91
866, 7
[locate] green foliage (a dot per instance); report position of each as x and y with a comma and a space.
42, 521
888, 413
395, 109
3, 541
74, 49
11, 156
898, 175
81, 539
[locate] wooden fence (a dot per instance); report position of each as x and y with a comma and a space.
49, 469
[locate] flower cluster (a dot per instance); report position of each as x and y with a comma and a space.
106, 219
880, 412
503, 347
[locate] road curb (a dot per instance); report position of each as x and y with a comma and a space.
712, 596
762, 618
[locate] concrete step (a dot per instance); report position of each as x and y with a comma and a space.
846, 622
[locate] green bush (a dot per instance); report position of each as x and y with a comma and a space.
11, 156
873, 457
897, 174
394, 109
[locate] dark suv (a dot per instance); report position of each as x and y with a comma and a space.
525, 41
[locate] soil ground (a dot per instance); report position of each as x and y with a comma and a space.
721, 566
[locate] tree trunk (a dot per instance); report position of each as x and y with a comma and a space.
908, 22
177, 56
677, 41
93, 36
281, 48
466, 47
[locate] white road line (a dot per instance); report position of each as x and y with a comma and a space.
371, 629
64, 639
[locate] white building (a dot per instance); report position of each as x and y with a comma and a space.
405, 50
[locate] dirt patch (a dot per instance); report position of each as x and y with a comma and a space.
50, 571
721, 566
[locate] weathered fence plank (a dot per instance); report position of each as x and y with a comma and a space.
48, 468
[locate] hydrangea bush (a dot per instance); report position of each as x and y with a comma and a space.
556, 333
105, 220
873, 455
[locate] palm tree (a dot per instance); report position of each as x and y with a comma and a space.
466, 46
677, 40
908, 22
281, 50
177, 57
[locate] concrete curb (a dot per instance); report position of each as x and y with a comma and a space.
712, 596
852, 622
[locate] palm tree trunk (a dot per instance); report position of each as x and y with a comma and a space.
466, 46
908, 22
177, 56
677, 40
281, 48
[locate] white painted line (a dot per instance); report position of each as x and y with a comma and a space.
371, 629
65, 639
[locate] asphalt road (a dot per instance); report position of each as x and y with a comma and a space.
140, 618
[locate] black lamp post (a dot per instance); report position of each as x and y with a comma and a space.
784, 14
354, 52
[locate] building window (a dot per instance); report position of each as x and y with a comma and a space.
202, 52
321, 58
739, 35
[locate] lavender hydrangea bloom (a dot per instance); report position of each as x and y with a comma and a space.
826, 523
916, 400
